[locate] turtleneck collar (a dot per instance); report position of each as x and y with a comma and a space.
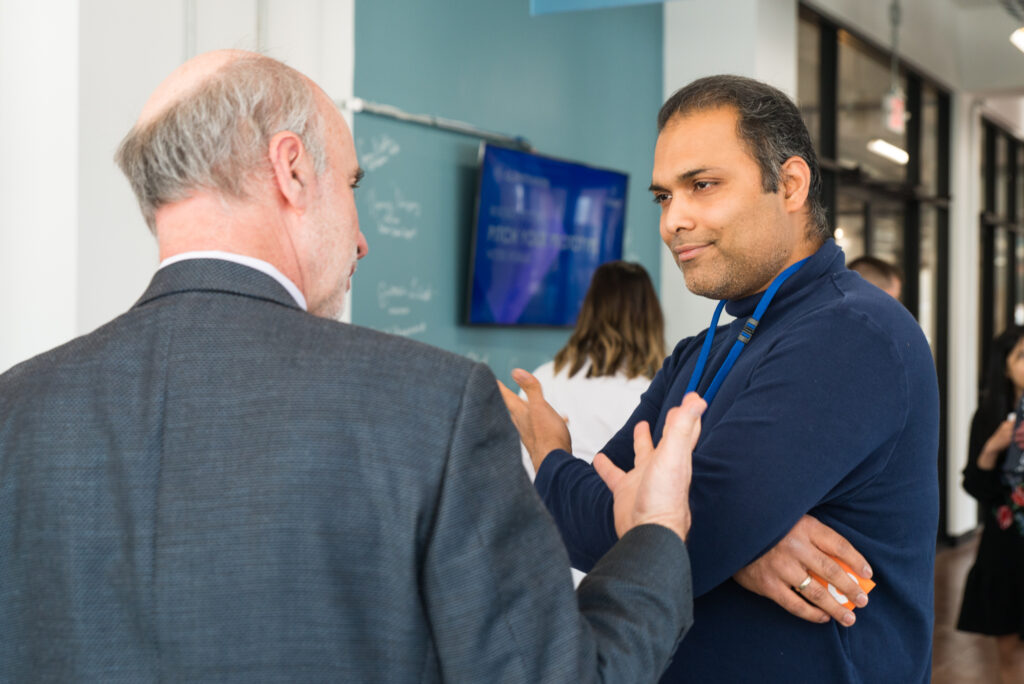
828, 259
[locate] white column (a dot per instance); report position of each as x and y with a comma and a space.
962, 399
127, 48
38, 176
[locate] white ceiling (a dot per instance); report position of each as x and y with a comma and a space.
1014, 8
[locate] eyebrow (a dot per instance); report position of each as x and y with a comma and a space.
359, 175
681, 178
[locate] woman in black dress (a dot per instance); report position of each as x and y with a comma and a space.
994, 594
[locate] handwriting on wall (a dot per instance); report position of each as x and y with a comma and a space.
377, 152
408, 331
406, 300
394, 216
395, 298
392, 213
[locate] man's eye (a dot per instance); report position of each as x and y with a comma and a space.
660, 197
702, 185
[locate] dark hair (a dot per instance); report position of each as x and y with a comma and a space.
769, 124
620, 326
997, 391
876, 271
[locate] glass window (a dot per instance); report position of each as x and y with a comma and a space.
929, 140
808, 76
849, 233
1002, 175
865, 79
887, 230
1000, 279
868, 224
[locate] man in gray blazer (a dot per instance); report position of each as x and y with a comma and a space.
218, 485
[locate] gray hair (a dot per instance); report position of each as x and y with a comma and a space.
769, 124
216, 137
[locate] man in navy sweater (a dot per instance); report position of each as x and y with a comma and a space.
823, 415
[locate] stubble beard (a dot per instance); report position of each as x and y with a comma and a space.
333, 305
738, 277
332, 260
331, 308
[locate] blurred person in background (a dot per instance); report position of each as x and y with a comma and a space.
596, 379
993, 602
879, 273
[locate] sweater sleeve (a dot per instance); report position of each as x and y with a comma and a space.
983, 485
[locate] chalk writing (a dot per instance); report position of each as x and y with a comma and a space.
396, 299
396, 217
382, 150
408, 331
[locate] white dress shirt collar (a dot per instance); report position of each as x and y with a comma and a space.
249, 261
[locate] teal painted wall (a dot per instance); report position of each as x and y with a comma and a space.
584, 86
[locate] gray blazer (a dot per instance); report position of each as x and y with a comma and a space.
218, 486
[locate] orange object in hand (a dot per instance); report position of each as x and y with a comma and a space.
865, 584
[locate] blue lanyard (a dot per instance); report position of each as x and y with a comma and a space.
741, 342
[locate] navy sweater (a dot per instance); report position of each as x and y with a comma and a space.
831, 410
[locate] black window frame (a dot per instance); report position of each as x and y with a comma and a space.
992, 220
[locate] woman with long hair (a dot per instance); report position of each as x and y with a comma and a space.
596, 379
993, 601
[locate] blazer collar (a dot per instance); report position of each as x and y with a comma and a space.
215, 275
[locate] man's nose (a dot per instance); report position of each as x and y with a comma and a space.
677, 217
362, 247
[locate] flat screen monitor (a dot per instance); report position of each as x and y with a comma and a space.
541, 227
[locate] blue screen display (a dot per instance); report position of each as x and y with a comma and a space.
541, 228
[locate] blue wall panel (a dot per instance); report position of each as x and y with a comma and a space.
581, 86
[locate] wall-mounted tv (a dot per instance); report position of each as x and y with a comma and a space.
541, 227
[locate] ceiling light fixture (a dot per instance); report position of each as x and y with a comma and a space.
1017, 38
889, 151
894, 104
1015, 8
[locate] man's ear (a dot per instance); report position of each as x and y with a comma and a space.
294, 174
796, 183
